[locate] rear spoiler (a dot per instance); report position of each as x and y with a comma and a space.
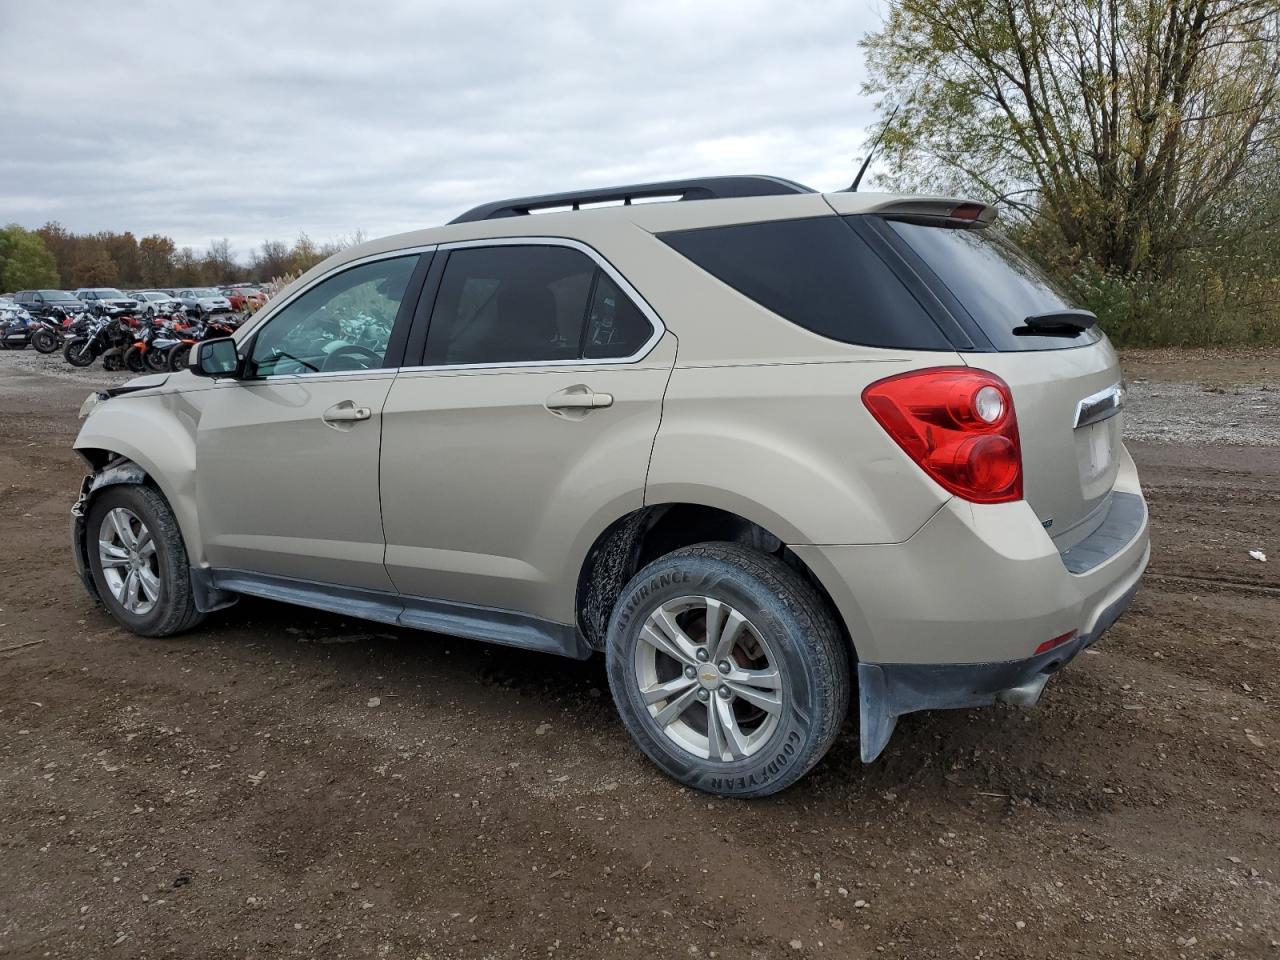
948, 211
955, 212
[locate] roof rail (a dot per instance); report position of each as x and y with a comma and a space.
704, 188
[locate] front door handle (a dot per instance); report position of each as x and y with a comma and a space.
346, 412
579, 398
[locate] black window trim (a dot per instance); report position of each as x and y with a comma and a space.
422, 319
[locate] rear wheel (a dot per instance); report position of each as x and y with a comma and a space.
728, 669
134, 359
78, 352
44, 341
139, 561
178, 356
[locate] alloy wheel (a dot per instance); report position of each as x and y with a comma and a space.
708, 678
130, 565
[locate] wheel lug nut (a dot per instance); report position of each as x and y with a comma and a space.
723, 666
704, 696
725, 693
703, 655
691, 673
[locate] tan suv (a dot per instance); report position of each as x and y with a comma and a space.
751, 444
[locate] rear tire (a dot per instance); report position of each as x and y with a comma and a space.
139, 561
758, 647
177, 357
134, 360
44, 341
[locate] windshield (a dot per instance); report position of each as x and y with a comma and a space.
56, 295
207, 292
110, 293
994, 281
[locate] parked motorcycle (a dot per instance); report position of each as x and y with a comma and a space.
203, 329
94, 337
15, 328
49, 332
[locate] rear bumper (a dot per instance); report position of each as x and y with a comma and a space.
888, 690
953, 616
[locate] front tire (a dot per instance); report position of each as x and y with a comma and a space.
44, 341
728, 669
139, 561
78, 352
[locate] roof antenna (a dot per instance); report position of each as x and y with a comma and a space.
853, 187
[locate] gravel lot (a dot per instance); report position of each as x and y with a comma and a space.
286, 783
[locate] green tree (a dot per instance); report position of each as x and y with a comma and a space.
25, 262
1127, 125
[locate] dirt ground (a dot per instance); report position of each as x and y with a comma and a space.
287, 783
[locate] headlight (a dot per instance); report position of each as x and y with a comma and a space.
91, 401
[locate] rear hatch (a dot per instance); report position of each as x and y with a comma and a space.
1065, 383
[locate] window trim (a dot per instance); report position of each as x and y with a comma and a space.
659, 329
247, 334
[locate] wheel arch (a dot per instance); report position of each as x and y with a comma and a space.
645, 534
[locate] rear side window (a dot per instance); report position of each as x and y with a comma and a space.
993, 281
530, 304
818, 274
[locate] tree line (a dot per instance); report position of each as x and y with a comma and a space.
54, 257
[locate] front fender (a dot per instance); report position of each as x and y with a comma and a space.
156, 433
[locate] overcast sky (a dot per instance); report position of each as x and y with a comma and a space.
254, 120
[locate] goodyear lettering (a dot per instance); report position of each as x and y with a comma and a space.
771, 769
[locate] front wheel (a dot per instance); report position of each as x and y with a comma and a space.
728, 669
78, 352
44, 341
157, 359
139, 561
135, 360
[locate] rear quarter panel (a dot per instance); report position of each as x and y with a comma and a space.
791, 447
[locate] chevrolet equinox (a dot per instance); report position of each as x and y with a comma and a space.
755, 444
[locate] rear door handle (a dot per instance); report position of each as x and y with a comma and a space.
346, 412
578, 397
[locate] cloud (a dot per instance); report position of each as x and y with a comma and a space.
254, 120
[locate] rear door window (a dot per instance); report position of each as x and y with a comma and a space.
819, 274
536, 303
993, 281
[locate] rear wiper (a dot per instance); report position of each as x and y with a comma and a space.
1066, 323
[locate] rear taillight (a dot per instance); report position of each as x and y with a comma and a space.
958, 425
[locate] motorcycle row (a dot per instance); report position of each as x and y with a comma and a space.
123, 342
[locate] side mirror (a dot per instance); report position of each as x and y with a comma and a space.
215, 358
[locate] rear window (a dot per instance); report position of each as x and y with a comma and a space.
994, 282
818, 274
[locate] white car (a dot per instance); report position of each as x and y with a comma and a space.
204, 300
152, 302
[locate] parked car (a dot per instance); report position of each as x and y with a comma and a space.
748, 444
245, 298
106, 301
204, 300
42, 303
152, 302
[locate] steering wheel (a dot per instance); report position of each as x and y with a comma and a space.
353, 352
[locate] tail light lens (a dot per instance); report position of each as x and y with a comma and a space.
958, 425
